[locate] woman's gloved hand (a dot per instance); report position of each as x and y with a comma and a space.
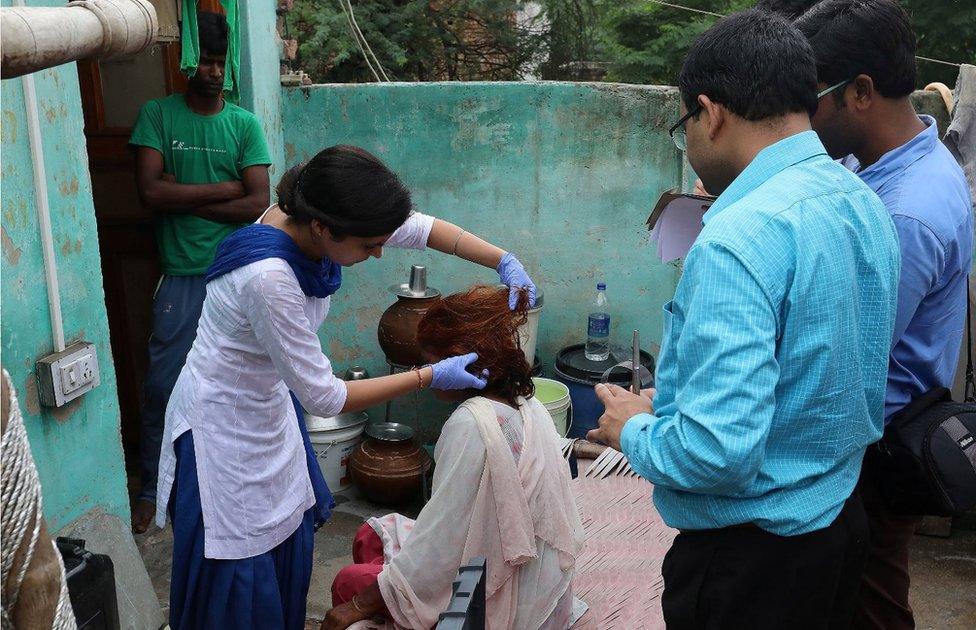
451, 373
513, 274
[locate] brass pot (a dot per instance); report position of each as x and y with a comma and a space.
397, 331
387, 467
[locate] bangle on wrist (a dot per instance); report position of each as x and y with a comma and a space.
355, 605
420, 377
456, 241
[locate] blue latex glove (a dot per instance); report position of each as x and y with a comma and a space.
451, 374
513, 274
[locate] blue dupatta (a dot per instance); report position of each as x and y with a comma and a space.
258, 242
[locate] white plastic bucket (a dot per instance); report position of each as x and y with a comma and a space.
332, 448
529, 333
554, 396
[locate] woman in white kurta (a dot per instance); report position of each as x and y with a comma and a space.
237, 476
501, 490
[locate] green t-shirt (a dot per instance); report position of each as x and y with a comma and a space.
197, 149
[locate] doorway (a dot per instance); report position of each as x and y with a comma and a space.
112, 92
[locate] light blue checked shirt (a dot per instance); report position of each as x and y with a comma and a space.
771, 378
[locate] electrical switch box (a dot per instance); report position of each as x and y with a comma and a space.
66, 375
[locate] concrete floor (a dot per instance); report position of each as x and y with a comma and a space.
943, 591
333, 550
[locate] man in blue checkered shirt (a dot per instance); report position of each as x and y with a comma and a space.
772, 371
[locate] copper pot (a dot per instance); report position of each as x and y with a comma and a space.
397, 331
387, 467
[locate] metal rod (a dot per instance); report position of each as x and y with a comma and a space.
635, 379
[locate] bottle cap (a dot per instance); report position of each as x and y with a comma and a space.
601, 287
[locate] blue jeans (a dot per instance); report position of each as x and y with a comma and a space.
176, 313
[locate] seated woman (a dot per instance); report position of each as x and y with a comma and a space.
500, 490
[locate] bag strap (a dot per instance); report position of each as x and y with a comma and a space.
969, 394
917, 406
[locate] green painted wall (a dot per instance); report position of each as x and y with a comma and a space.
260, 82
77, 448
562, 174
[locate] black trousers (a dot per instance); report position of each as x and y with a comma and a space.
746, 577
883, 598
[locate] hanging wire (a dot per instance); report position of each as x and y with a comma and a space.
352, 17
372, 62
719, 15
946, 63
352, 31
683, 8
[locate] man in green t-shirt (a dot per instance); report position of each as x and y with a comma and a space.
202, 167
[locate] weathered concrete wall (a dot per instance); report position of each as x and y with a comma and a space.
562, 174
260, 82
78, 447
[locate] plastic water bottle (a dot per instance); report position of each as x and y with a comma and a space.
598, 327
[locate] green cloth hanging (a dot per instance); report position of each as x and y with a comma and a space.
190, 57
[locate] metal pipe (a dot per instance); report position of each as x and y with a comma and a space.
635, 379
35, 38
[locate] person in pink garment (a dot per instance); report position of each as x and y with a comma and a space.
500, 490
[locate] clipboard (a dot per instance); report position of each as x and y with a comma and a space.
684, 201
675, 223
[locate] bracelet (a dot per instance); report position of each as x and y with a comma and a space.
456, 241
420, 378
356, 605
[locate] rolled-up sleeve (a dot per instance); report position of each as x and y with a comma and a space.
275, 307
711, 437
414, 232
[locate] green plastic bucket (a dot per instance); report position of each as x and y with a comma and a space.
554, 396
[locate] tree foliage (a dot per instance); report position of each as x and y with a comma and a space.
573, 31
638, 40
946, 30
414, 40
648, 41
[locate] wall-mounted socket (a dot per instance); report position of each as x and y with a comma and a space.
66, 375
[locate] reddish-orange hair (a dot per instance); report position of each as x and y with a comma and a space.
479, 320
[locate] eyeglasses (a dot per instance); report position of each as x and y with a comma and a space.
836, 86
677, 131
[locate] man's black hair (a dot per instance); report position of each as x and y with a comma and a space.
754, 63
212, 31
872, 37
790, 9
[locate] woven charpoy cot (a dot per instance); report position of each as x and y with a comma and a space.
618, 574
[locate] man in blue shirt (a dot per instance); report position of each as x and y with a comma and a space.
868, 47
773, 363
